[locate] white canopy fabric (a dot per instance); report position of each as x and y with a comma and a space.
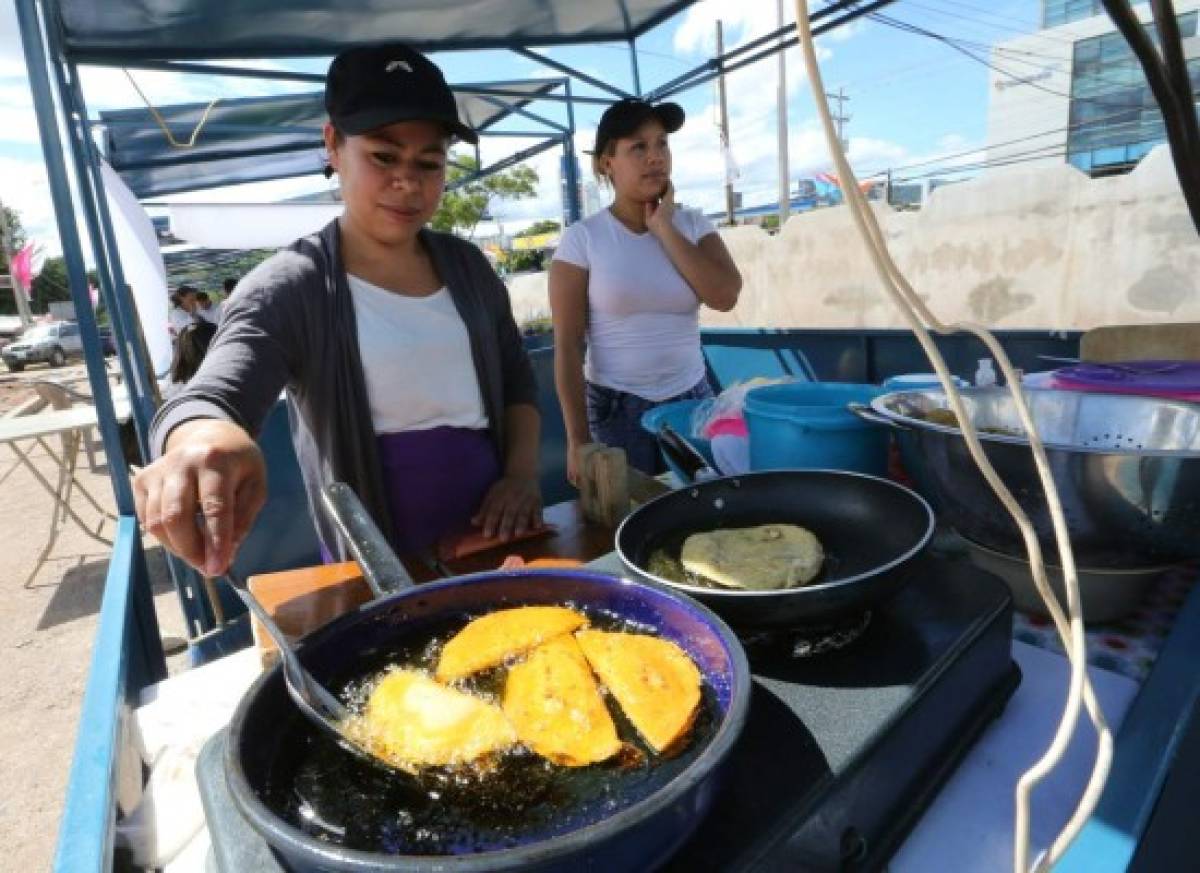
248, 225
143, 266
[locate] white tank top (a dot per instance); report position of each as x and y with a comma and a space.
416, 358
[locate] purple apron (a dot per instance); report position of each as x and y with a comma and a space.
435, 481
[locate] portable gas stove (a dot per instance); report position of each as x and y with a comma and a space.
841, 752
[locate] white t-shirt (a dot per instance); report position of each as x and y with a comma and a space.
212, 315
178, 319
416, 358
643, 328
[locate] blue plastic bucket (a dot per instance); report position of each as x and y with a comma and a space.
807, 426
679, 416
917, 382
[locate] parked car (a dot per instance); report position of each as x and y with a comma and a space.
53, 343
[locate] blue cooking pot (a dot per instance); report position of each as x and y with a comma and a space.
300, 791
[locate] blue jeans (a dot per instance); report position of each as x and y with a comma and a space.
615, 419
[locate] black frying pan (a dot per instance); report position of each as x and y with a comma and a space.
870, 528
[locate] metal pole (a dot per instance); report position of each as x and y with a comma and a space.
574, 207
60, 192
108, 264
841, 118
725, 148
782, 124
633, 63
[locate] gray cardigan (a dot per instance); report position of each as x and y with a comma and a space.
290, 325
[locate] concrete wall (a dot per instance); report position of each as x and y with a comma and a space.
1017, 248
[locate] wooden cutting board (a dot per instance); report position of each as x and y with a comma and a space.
300, 601
1142, 342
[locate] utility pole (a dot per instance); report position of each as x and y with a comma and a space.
781, 112
724, 124
841, 118
18, 292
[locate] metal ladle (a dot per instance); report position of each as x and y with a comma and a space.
384, 574
313, 700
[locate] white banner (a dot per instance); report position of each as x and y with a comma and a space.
142, 264
248, 225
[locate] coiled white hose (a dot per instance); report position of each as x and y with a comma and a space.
1070, 626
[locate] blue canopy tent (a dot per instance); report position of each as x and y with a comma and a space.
255, 139
262, 138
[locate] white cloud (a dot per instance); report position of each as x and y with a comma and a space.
741, 21
12, 58
26, 190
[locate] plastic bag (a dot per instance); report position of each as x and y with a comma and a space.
722, 421
722, 415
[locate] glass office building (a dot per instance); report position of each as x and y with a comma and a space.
1114, 120
1056, 12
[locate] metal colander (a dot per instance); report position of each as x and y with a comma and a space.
1126, 467
1065, 419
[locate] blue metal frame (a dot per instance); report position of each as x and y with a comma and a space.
60, 193
128, 651
110, 273
126, 657
1146, 747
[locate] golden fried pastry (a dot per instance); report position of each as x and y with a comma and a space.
759, 558
414, 722
494, 638
553, 702
653, 680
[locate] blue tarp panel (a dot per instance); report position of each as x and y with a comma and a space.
183, 29
250, 139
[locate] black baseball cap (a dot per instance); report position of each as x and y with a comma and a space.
627, 115
373, 86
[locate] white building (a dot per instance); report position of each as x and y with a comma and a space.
1073, 91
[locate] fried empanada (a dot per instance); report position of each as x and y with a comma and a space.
414, 722
494, 638
553, 702
653, 680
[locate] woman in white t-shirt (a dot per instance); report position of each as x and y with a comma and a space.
626, 285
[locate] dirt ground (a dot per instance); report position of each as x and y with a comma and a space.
48, 617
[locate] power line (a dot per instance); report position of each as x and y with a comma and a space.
943, 158
978, 11
952, 43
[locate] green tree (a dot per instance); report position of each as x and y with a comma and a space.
540, 227
14, 235
463, 208
52, 284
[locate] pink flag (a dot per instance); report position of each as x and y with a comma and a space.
94, 293
21, 267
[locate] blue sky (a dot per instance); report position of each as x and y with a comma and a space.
912, 99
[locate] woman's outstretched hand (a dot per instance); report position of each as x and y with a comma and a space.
201, 497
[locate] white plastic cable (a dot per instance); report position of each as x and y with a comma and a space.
1069, 627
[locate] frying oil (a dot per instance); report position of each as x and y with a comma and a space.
516, 799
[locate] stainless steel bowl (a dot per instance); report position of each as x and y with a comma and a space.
1127, 469
1105, 595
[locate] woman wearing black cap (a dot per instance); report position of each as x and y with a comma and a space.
627, 284
404, 371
